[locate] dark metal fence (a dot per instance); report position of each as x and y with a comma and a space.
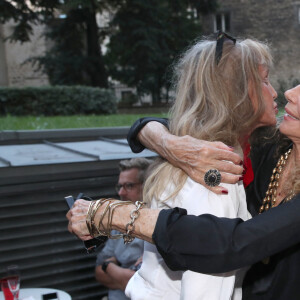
35, 176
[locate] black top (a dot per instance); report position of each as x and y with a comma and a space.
280, 278
208, 244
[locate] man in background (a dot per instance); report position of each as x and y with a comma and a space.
117, 262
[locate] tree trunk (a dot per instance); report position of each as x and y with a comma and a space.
95, 66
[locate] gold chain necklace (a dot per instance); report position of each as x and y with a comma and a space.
270, 200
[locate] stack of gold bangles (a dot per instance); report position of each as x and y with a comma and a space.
111, 204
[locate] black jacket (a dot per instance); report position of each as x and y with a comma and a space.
208, 244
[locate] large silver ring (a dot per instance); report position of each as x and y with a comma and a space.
212, 177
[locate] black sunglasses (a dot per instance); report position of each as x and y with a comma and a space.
221, 36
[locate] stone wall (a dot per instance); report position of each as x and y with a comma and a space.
3, 64
273, 21
14, 69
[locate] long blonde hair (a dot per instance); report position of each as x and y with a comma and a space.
212, 101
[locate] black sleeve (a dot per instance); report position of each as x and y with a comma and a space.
208, 244
133, 142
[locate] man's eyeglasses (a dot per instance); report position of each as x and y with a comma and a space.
127, 186
221, 36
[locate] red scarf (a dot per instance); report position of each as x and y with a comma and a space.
248, 171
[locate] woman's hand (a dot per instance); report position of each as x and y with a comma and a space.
77, 219
144, 224
195, 157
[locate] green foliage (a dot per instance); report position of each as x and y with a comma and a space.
26, 14
63, 64
74, 57
59, 100
147, 36
204, 6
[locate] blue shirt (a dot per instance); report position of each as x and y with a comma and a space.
126, 255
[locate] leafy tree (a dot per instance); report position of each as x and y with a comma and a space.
75, 57
26, 14
147, 37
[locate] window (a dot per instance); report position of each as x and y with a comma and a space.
222, 22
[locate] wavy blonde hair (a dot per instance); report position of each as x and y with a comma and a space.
212, 101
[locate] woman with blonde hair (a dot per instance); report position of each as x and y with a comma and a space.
217, 99
240, 70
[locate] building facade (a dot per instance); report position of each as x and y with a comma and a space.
272, 21
15, 70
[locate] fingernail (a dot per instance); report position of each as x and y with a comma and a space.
225, 192
231, 147
241, 178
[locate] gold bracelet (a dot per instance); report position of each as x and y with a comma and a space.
101, 228
127, 237
92, 210
95, 207
112, 207
88, 219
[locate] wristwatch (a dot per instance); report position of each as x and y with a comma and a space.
105, 265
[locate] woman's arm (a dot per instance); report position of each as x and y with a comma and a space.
208, 244
205, 243
115, 277
195, 157
144, 225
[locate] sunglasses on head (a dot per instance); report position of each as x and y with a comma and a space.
221, 37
